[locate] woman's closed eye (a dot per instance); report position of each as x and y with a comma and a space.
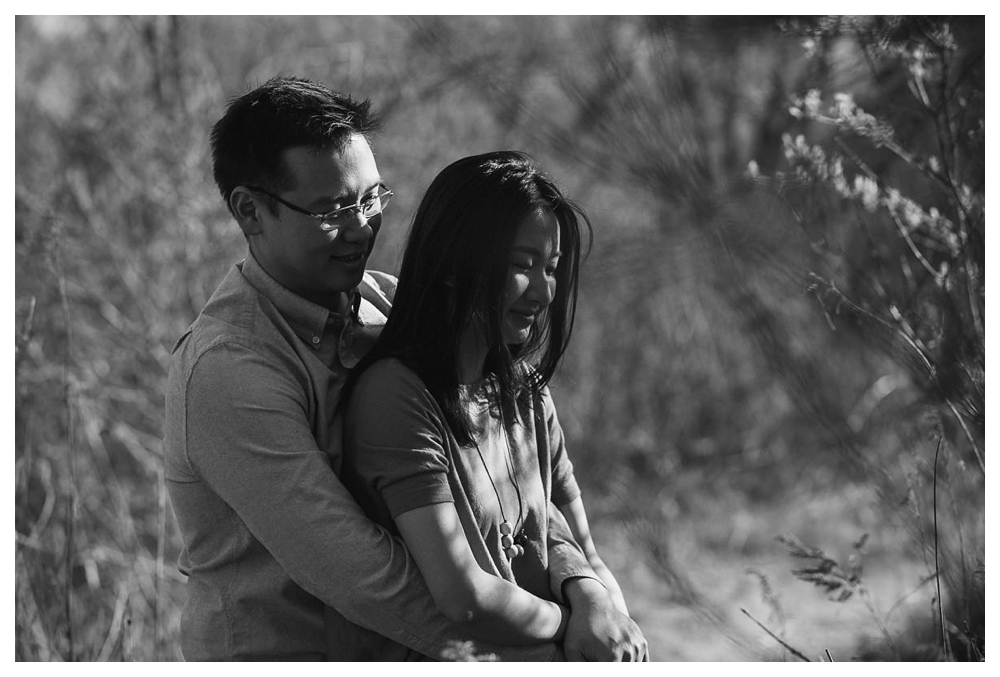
524, 265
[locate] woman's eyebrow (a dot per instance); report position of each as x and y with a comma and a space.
524, 249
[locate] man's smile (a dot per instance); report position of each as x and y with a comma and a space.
351, 259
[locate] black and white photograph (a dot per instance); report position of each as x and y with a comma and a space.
471, 337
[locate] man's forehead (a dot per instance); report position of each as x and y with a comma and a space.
348, 169
338, 152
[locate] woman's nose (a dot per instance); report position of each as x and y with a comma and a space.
542, 289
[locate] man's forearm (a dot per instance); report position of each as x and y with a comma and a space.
598, 630
566, 559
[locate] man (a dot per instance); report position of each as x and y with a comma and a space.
270, 534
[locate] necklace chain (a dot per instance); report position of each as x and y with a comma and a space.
506, 530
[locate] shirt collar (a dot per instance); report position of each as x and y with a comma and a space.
307, 319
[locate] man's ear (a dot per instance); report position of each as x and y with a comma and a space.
246, 207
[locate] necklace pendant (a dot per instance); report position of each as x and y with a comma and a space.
506, 536
515, 550
511, 545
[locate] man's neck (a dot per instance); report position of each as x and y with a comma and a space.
337, 302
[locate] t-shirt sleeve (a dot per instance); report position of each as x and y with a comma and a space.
564, 484
395, 440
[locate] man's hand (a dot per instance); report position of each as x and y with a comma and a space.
597, 630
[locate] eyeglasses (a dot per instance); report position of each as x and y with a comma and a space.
337, 218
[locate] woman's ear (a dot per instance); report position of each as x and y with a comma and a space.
245, 206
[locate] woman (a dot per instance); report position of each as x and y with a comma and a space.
451, 436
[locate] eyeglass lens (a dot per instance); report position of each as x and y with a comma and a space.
368, 208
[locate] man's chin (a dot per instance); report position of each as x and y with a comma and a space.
348, 276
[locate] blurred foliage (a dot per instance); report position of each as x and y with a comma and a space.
786, 290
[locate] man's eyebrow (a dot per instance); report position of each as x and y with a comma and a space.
347, 196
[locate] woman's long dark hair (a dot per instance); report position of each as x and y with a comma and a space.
453, 276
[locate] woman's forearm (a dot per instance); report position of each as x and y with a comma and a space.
486, 606
501, 612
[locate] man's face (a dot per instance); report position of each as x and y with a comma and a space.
294, 249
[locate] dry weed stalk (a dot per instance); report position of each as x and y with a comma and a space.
71, 449
795, 652
770, 598
840, 584
945, 643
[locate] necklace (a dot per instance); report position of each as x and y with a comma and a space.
508, 534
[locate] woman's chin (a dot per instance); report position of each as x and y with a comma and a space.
515, 337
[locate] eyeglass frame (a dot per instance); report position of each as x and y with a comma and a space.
324, 219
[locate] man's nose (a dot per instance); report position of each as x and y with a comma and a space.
357, 229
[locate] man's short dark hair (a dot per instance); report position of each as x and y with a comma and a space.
285, 112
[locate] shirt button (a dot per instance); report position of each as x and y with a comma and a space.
315, 339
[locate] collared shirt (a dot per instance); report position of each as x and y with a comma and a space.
270, 534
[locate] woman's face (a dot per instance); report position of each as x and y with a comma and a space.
531, 281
